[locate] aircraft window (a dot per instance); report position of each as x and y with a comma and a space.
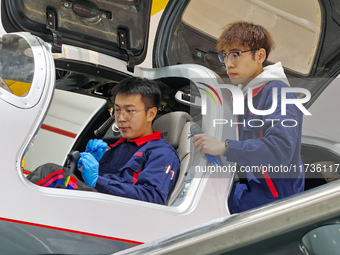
16, 65
294, 25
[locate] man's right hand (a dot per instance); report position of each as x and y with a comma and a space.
97, 148
207, 144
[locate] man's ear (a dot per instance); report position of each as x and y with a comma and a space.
152, 112
262, 54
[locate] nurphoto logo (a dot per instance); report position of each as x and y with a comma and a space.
238, 104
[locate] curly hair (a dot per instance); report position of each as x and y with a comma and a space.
247, 35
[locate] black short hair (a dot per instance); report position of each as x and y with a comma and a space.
148, 89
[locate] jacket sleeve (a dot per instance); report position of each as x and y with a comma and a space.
274, 147
155, 179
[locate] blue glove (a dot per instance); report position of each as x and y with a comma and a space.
97, 148
90, 168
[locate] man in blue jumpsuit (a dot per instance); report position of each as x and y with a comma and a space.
140, 165
268, 150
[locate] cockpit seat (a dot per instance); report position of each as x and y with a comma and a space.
174, 128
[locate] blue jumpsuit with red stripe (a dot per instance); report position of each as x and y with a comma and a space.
145, 168
271, 143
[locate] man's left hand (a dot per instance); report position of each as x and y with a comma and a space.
89, 167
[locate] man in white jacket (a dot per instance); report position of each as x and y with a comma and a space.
268, 150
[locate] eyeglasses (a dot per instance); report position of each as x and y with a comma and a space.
233, 55
127, 114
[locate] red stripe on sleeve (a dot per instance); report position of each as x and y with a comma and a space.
135, 176
270, 183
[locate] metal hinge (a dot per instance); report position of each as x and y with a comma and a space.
124, 44
51, 24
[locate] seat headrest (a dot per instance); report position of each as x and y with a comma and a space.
171, 125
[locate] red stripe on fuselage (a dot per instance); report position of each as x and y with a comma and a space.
58, 131
69, 230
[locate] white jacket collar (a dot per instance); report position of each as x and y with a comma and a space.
273, 72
